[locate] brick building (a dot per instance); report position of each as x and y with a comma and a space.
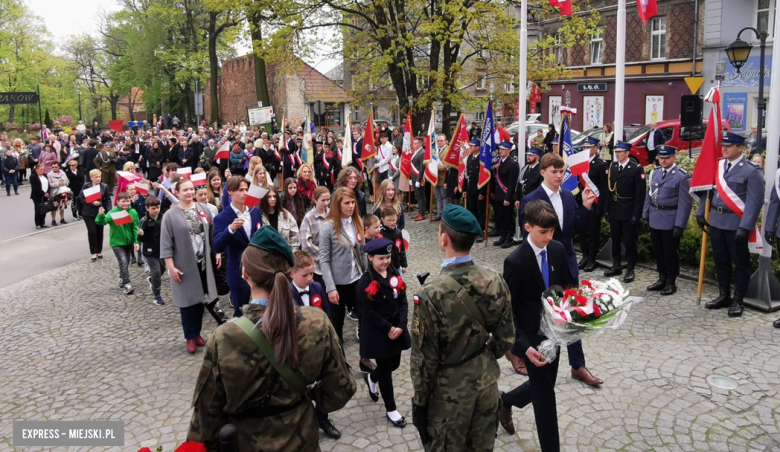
659, 55
294, 90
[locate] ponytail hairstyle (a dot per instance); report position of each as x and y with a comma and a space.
268, 270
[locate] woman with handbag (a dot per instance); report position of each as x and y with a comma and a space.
57, 179
39, 184
90, 210
256, 369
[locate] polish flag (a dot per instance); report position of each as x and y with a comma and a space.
579, 163
198, 179
223, 152
565, 6
254, 196
121, 217
142, 188
92, 194
126, 175
647, 9
185, 172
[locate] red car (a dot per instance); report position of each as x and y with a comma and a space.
674, 134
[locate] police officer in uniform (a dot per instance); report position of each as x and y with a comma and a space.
668, 205
598, 175
728, 232
623, 209
504, 188
462, 324
475, 196
530, 176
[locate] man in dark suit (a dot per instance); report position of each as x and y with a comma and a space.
529, 180
186, 155
475, 196
570, 218
623, 208
233, 229
590, 239
87, 156
418, 179
504, 188
540, 262
655, 139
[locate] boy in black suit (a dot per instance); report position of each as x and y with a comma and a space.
540, 262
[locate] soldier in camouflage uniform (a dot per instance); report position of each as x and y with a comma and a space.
462, 324
238, 385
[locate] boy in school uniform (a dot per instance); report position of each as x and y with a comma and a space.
149, 240
392, 233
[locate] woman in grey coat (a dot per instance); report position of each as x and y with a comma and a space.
186, 238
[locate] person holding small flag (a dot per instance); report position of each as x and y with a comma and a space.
93, 197
623, 208
123, 235
597, 175
668, 205
737, 201
506, 173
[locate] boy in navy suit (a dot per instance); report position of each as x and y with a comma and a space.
307, 292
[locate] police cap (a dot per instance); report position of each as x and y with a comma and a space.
461, 220
730, 138
622, 146
535, 151
505, 145
474, 142
666, 151
591, 141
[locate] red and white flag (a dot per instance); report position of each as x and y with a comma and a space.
579, 163
564, 5
185, 172
406, 148
142, 188
431, 155
92, 194
705, 171
127, 175
256, 193
121, 217
198, 179
223, 152
647, 9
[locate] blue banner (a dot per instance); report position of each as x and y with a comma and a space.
735, 110
487, 144
569, 182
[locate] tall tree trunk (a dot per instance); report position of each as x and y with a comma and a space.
113, 99
11, 113
261, 83
214, 69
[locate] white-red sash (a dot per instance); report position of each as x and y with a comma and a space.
325, 162
498, 178
737, 205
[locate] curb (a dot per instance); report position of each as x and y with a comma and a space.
42, 231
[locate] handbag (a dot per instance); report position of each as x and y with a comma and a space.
45, 207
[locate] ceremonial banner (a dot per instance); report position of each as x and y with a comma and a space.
431, 154
705, 171
346, 154
406, 149
307, 140
569, 181
487, 147
460, 139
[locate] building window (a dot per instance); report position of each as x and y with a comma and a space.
765, 16
355, 114
481, 82
558, 49
596, 46
658, 38
333, 114
510, 87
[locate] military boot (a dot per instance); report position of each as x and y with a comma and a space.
501, 240
614, 270
658, 285
737, 305
670, 287
723, 300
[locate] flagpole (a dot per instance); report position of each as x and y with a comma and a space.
522, 96
620, 69
700, 287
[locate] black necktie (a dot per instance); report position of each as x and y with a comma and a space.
662, 177
728, 167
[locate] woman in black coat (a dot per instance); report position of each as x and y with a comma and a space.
75, 181
383, 330
90, 210
548, 139
156, 160
40, 191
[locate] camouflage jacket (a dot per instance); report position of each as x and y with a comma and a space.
237, 383
445, 334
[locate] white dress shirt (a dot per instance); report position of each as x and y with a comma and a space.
304, 297
557, 202
247, 220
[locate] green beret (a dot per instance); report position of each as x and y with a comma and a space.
268, 239
461, 220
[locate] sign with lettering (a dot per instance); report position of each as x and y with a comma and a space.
590, 87
259, 116
750, 73
18, 98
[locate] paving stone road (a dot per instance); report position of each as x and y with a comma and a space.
75, 348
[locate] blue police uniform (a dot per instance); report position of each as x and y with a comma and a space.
668, 206
728, 232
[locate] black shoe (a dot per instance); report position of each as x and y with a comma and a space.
366, 365
132, 261
494, 233
658, 285
351, 314
400, 423
480, 239
776, 323
509, 243
583, 262
614, 270
501, 240
54, 223
629, 275
63, 222
723, 300
590, 266
374, 395
737, 306
670, 287
329, 429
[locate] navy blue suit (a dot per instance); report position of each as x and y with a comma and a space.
573, 218
234, 245
314, 289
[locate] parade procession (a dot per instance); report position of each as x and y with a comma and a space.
385, 226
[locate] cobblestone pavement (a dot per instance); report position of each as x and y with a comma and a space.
75, 348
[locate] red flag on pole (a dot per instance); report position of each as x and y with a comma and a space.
255, 194
706, 170
406, 155
223, 152
431, 154
647, 9
460, 139
369, 150
564, 5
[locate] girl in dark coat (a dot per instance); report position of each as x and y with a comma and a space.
156, 160
383, 330
75, 182
548, 139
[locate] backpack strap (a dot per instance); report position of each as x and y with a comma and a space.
285, 371
462, 294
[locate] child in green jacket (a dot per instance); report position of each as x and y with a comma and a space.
123, 235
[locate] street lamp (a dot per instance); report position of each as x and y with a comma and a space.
78, 91
738, 53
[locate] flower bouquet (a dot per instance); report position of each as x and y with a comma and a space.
573, 313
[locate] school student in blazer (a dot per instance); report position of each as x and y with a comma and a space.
539, 263
233, 229
39, 184
506, 175
570, 217
341, 255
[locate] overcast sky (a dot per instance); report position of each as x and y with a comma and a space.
64, 18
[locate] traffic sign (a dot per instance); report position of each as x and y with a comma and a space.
694, 83
318, 107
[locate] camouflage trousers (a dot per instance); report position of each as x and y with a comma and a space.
467, 423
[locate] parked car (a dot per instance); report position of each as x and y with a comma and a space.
533, 117
378, 121
530, 131
675, 135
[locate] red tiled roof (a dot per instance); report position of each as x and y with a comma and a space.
319, 87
